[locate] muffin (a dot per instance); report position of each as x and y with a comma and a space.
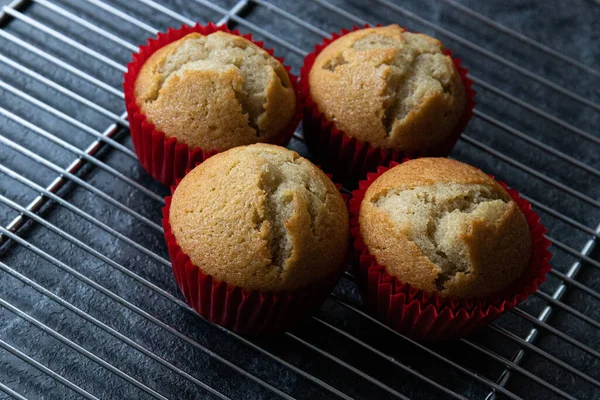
390, 89
261, 219
441, 248
208, 91
446, 227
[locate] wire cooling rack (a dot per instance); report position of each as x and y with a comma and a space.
88, 306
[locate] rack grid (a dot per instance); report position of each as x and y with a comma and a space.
88, 306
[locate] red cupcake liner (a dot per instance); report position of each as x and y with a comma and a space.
250, 312
348, 158
165, 158
427, 316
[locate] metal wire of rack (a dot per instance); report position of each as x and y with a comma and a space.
88, 306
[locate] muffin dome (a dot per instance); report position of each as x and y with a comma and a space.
394, 89
262, 218
215, 92
446, 227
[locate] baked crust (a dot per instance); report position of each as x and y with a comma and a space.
446, 227
261, 217
391, 88
215, 92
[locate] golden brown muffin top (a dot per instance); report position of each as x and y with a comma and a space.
215, 92
447, 227
261, 217
391, 88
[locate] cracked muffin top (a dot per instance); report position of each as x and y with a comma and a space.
394, 89
215, 92
261, 217
446, 227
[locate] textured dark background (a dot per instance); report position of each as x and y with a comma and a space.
569, 27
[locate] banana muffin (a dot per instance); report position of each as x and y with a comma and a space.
262, 218
393, 89
446, 227
215, 92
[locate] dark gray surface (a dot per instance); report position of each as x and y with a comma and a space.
569, 27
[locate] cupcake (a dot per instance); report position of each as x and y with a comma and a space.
442, 248
380, 94
199, 91
257, 236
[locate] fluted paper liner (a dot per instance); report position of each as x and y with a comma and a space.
167, 159
428, 316
349, 159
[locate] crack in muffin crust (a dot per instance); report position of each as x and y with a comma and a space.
425, 209
276, 213
401, 96
285, 185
